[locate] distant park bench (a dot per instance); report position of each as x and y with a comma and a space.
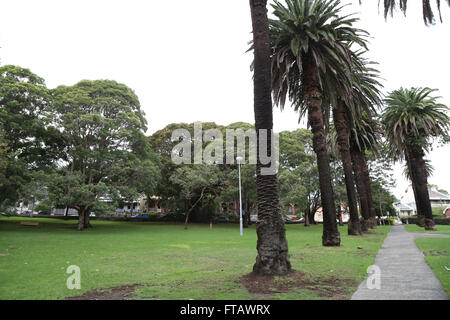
29, 223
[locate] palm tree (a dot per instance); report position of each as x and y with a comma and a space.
411, 119
366, 95
272, 246
311, 57
365, 136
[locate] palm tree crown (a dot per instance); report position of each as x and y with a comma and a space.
316, 29
412, 117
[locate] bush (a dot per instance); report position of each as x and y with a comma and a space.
438, 211
173, 216
44, 207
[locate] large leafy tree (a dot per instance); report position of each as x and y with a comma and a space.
26, 129
299, 179
312, 61
196, 183
168, 192
412, 118
248, 176
272, 258
108, 156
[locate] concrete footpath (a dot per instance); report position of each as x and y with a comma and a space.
404, 274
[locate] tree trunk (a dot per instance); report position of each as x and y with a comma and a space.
367, 183
192, 208
272, 258
308, 209
87, 223
366, 222
331, 236
83, 218
420, 217
418, 176
342, 126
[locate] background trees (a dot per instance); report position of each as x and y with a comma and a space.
29, 142
412, 118
107, 153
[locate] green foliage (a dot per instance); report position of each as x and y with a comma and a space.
3, 160
107, 153
44, 207
314, 30
439, 210
25, 122
382, 178
298, 176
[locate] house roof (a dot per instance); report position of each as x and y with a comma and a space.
436, 195
404, 207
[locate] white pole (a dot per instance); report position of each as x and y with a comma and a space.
240, 200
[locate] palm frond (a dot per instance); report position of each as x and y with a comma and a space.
428, 14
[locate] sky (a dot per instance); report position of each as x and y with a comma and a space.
187, 60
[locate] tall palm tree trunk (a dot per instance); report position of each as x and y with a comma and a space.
362, 190
272, 258
418, 176
343, 138
313, 95
420, 216
363, 168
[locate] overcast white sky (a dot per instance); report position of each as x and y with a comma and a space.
186, 60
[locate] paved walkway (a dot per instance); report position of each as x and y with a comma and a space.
404, 273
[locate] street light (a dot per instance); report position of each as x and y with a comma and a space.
239, 159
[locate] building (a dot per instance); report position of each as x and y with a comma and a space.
437, 198
404, 210
318, 216
447, 212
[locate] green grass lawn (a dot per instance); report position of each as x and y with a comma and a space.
437, 255
436, 251
441, 229
172, 263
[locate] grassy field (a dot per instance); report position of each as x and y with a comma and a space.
437, 252
168, 262
441, 229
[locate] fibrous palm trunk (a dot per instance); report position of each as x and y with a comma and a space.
272, 258
368, 186
313, 95
418, 174
420, 216
362, 190
342, 125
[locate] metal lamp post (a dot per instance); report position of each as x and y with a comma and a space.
239, 159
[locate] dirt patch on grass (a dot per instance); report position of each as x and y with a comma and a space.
115, 293
331, 288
